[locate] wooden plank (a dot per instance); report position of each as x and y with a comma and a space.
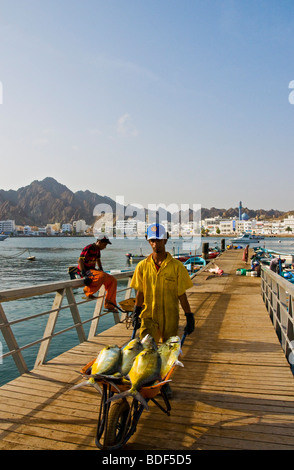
235, 390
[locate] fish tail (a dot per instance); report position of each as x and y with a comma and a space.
82, 384
179, 363
130, 393
85, 383
118, 396
142, 400
95, 385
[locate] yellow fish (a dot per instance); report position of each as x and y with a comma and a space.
169, 353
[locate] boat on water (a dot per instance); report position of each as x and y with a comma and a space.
135, 258
182, 256
266, 255
285, 265
288, 275
3, 237
194, 263
247, 238
213, 254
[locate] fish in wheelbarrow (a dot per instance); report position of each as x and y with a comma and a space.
129, 353
107, 362
148, 342
169, 353
145, 370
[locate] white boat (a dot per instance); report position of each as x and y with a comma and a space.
135, 258
3, 237
247, 238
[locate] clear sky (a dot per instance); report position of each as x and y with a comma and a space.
159, 101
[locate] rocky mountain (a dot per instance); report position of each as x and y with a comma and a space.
48, 201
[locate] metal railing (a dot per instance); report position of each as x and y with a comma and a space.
63, 290
278, 296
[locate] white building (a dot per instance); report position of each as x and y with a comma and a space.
52, 229
289, 222
27, 230
66, 228
141, 227
7, 226
80, 226
226, 227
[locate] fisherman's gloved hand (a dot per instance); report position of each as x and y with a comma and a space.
190, 325
136, 321
87, 275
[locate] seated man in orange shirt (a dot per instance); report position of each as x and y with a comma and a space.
95, 277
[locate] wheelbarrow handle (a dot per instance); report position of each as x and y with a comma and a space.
136, 325
183, 339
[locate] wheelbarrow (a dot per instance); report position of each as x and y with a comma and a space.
117, 420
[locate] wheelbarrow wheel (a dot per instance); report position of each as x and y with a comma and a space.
118, 420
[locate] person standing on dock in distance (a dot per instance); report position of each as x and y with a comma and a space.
276, 265
161, 282
94, 277
245, 254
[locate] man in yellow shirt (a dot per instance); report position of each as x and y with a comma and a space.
161, 282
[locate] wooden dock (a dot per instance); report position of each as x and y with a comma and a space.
236, 390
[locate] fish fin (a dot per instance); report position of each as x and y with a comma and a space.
87, 383
163, 382
104, 376
82, 384
142, 400
117, 375
113, 385
118, 396
128, 393
95, 385
178, 363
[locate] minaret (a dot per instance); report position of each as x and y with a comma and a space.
240, 210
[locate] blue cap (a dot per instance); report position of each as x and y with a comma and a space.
156, 231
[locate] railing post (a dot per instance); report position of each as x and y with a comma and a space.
50, 328
75, 314
279, 303
60, 289
290, 326
12, 343
127, 296
97, 311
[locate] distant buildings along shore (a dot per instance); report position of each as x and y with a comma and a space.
131, 227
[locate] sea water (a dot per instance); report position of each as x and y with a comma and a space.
53, 256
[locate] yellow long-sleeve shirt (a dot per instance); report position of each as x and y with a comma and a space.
161, 290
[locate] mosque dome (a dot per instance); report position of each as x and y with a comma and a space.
245, 216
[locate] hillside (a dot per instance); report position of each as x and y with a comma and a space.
49, 201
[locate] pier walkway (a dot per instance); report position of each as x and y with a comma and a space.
236, 390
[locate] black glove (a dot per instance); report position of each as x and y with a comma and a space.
87, 275
136, 321
190, 325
